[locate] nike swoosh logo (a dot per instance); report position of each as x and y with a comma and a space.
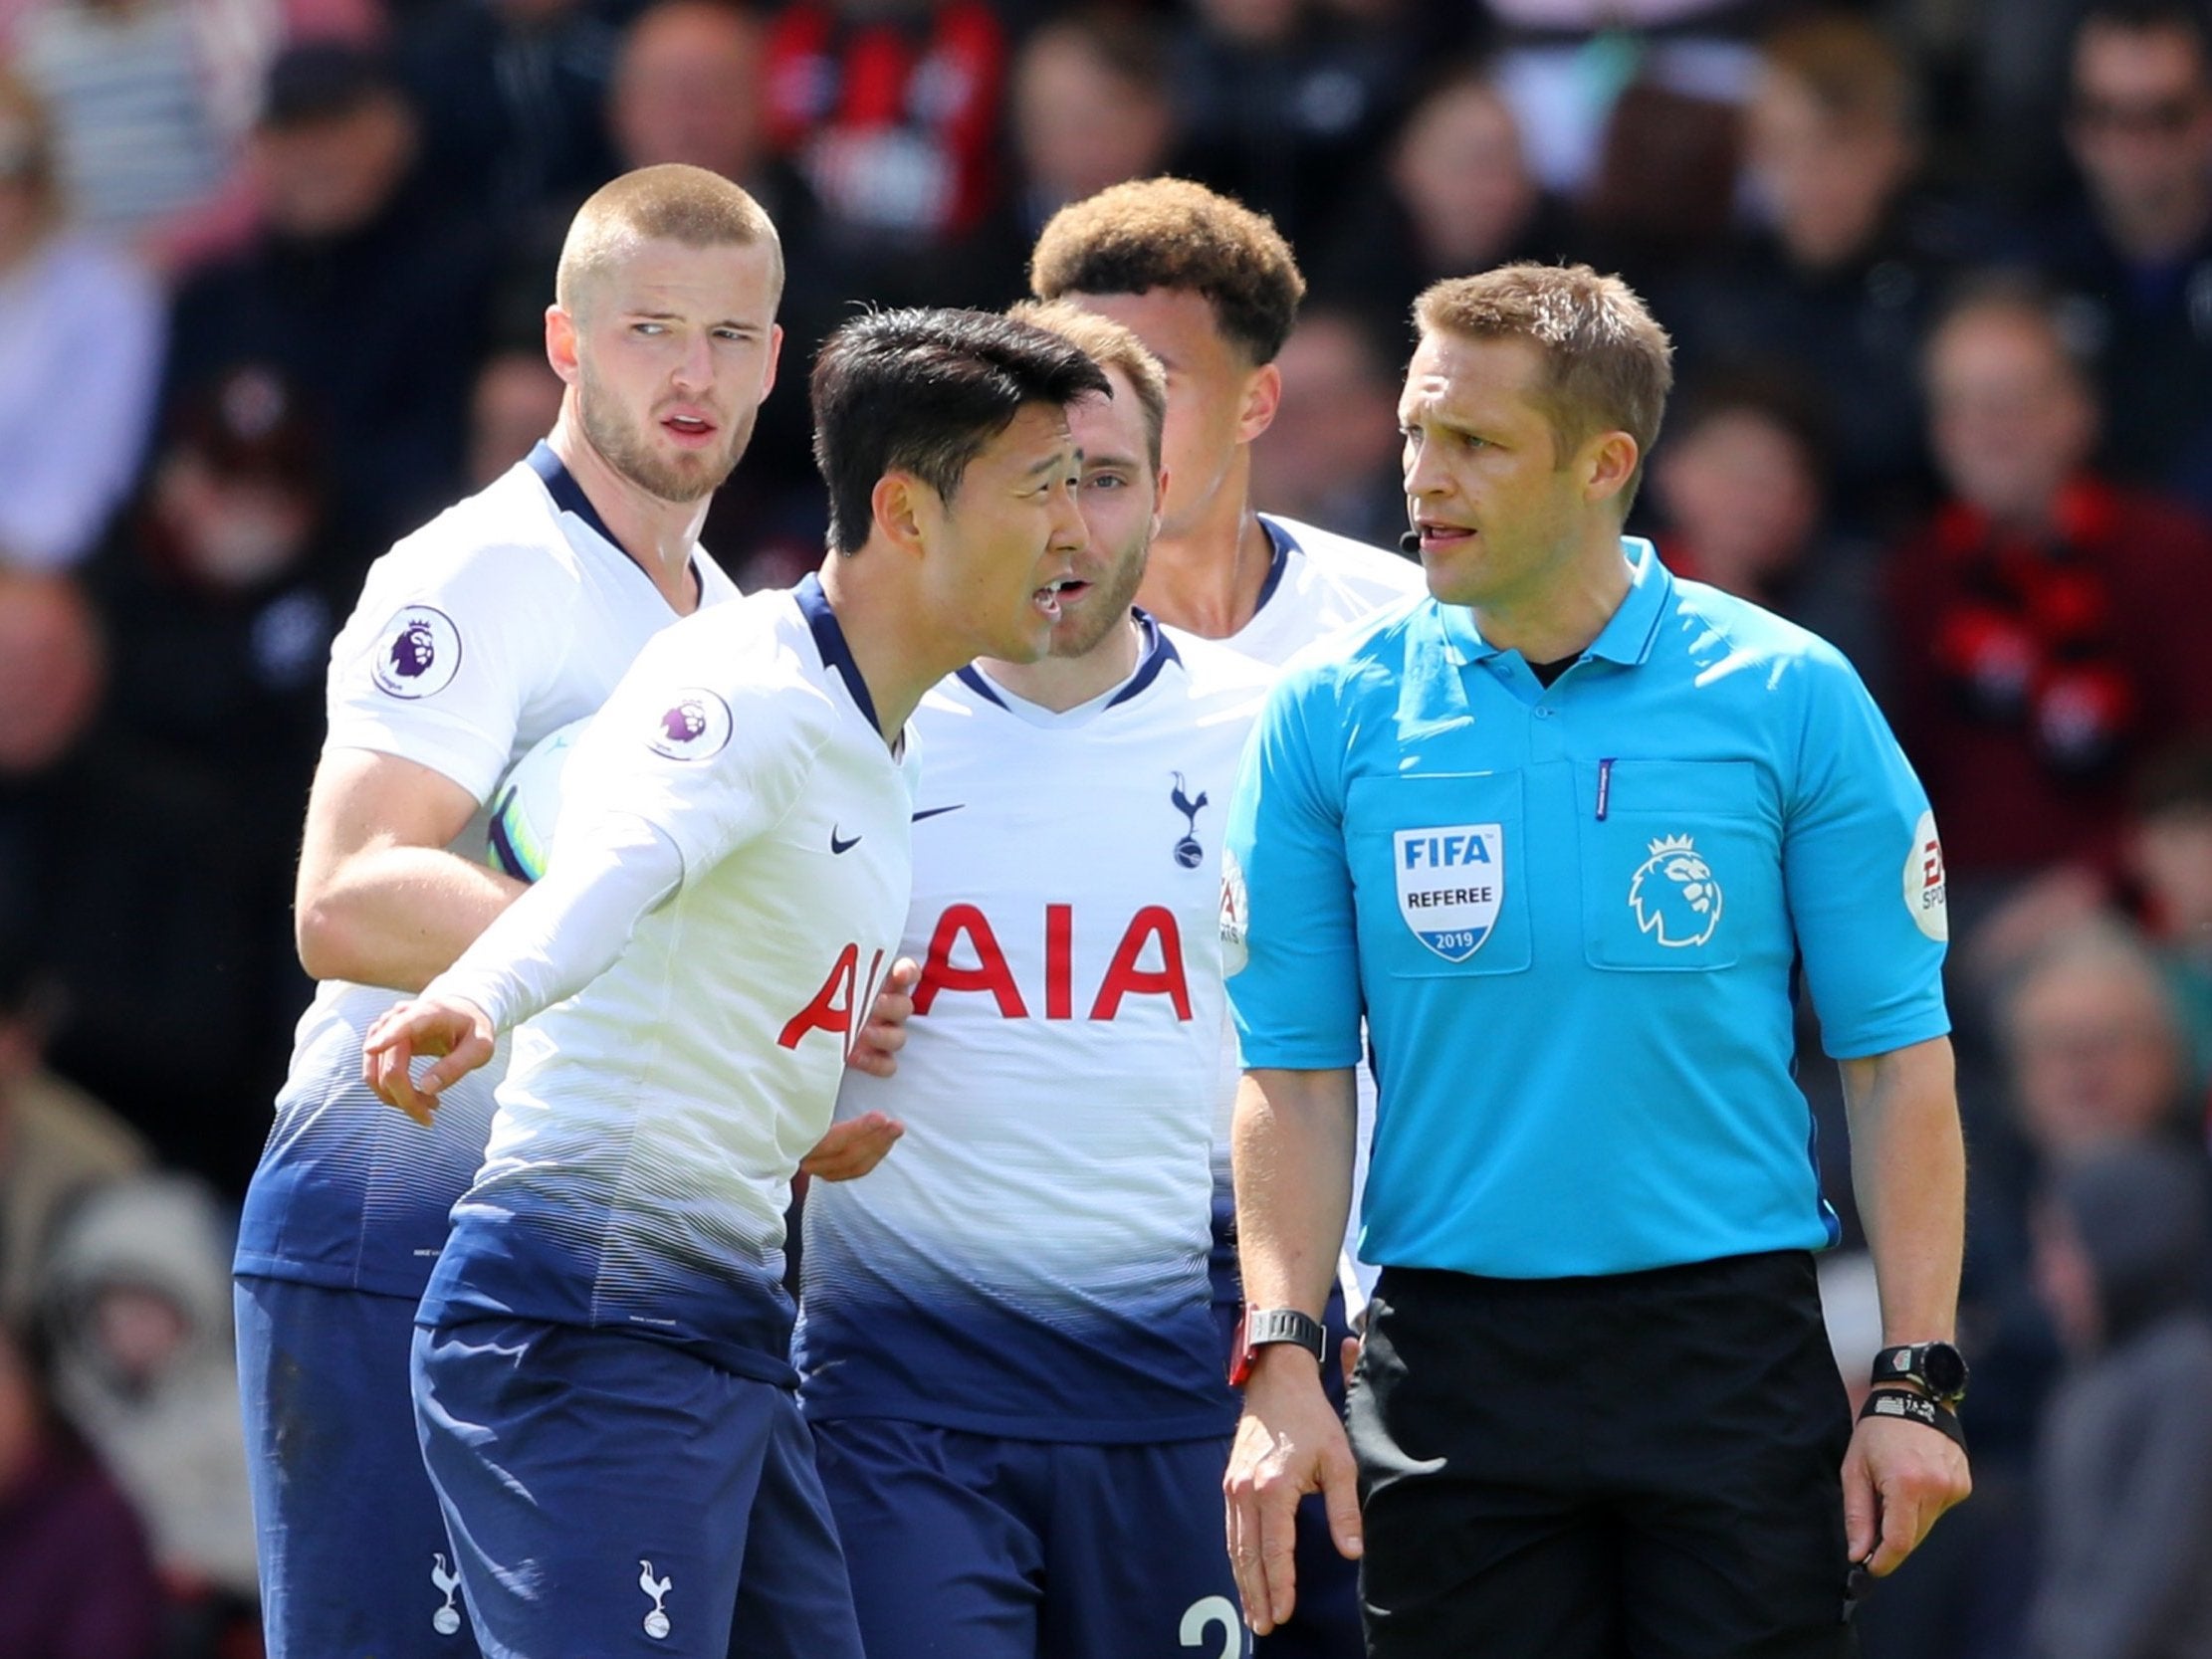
837, 846
933, 811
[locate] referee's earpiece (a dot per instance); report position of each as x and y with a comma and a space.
1409, 542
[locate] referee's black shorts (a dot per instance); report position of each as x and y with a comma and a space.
1639, 1467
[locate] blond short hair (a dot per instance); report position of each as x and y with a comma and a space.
1170, 233
672, 202
1608, 364
1111, 346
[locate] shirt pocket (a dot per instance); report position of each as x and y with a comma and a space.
1679, 867
1438, 874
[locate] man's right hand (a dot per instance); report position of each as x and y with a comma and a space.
458, 1030
1289, 1442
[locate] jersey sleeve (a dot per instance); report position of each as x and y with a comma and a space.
438, 661
709, 762
1286, 904
1863, 873
566, 928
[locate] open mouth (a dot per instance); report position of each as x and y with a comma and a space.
1435, 535
1048, 598
689, 428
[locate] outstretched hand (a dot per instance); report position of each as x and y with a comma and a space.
455, 1033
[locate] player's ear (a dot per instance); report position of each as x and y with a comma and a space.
904, 510
1159, 500
775, 356
1607, 463
1262, 397
560, 343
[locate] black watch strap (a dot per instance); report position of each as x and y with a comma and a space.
1264, 1325
1936, 1367
1904, 1402
1260, 1328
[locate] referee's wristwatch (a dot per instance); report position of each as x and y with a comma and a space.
1258, 1328
1936, 1368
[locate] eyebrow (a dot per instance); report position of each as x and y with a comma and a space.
640, 315
1052, 463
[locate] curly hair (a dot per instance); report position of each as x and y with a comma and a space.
1172, 234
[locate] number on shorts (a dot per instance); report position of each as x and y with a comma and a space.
1207, 1612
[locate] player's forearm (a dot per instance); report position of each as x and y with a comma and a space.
1908, 1169
1292, 1147
569, 927
397, 916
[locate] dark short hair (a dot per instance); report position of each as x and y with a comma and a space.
924, 391
1170, 233
2145, 16
323, 80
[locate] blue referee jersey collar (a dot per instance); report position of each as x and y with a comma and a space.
1625, 639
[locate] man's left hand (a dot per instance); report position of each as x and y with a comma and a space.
1899, 1477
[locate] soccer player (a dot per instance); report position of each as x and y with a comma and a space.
1211, 289
603, 1387
505, 618
1007, 1345
1569, 836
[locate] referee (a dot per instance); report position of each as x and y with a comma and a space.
1571, 834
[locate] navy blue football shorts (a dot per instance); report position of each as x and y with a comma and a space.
355, 1563
972, 1547
610, 1495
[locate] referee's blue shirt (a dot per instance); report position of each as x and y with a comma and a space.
1574, 920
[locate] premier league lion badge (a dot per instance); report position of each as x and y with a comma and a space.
1675, 894
418, 653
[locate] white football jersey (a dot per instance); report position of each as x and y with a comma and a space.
505, 617
1030, 1260
648, 1127
1321, 584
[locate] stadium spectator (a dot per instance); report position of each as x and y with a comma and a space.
74, 1579
1741, 487
80, 355
360, 286
1566, 63
2125, 1472
1839, 280
1457, 195
515, 402
512, 97
1091, 103
56, 1144
1286, 105
2134, 259
2092, 1044
137, 135
892, 111
221, 598
135, 1296
52, 669
2040, 649
1331, 455
2168, 854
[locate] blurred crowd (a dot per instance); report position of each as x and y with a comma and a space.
1939, 275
